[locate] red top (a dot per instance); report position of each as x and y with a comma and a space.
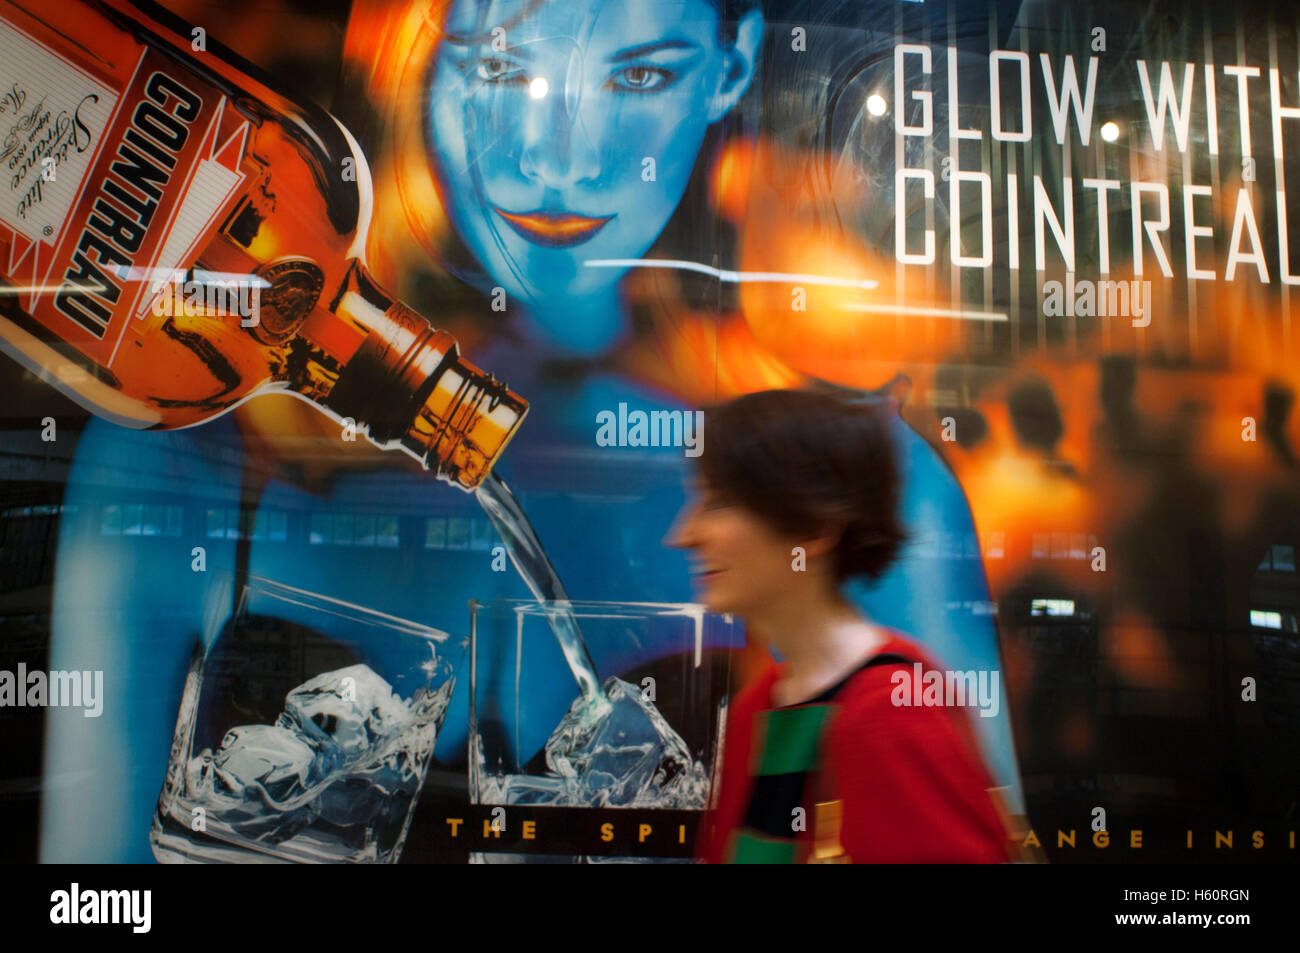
912, 786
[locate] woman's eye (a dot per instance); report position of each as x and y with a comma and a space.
495, 70
641, 79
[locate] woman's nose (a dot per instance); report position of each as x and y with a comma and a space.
681, 534
559, 139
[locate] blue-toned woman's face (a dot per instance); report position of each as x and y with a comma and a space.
566, 130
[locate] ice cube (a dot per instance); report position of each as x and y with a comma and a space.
199, 776
345, 712
348, 801
372, 790
262, 758
524, 790
622, 753
257, 783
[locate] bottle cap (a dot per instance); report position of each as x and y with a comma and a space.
466, 420
409, 386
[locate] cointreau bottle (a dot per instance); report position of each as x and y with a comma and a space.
176, 236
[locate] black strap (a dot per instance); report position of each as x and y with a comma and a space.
884, 658
887, 658
822, 782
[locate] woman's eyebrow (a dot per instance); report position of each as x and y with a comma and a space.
631, 53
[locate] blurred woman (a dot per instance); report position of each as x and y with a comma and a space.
825, 754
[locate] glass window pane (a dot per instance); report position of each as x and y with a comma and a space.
365, 532
216, 524
279, 527
435, 533
386, 532
1078, 546
131, 516
321, 529
1060, 545
343, 528
175, 520
480, 535
112, 521
1040, 545
155, 520
1284, 558
458, 532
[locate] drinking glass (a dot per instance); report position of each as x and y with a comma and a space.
638, 753
305, 730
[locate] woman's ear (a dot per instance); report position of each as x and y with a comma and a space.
740, 58
824, 543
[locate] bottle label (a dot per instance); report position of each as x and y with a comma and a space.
140, 176
52, 120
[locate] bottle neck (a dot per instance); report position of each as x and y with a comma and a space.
409, 386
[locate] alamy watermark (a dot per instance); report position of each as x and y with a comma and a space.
1102, 299
55, 689
77, 906
209, 293
947, 689
655, 428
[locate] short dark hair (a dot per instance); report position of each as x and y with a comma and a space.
729, 14
805, 461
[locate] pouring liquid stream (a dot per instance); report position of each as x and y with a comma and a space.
535, 568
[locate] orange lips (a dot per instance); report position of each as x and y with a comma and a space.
553, 231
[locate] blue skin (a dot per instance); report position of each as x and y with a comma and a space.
624, 81
576, 150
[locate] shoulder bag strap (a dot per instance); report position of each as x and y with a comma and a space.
828, 811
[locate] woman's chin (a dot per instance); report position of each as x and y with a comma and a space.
575, 333
718, 601
573, 298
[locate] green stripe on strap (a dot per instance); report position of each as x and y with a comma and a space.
748, 848
790, 737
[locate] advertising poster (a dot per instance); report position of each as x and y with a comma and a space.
358, 364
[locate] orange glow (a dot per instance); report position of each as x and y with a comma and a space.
815, 328
1140, 653
389, 49
729, 186
698, 357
